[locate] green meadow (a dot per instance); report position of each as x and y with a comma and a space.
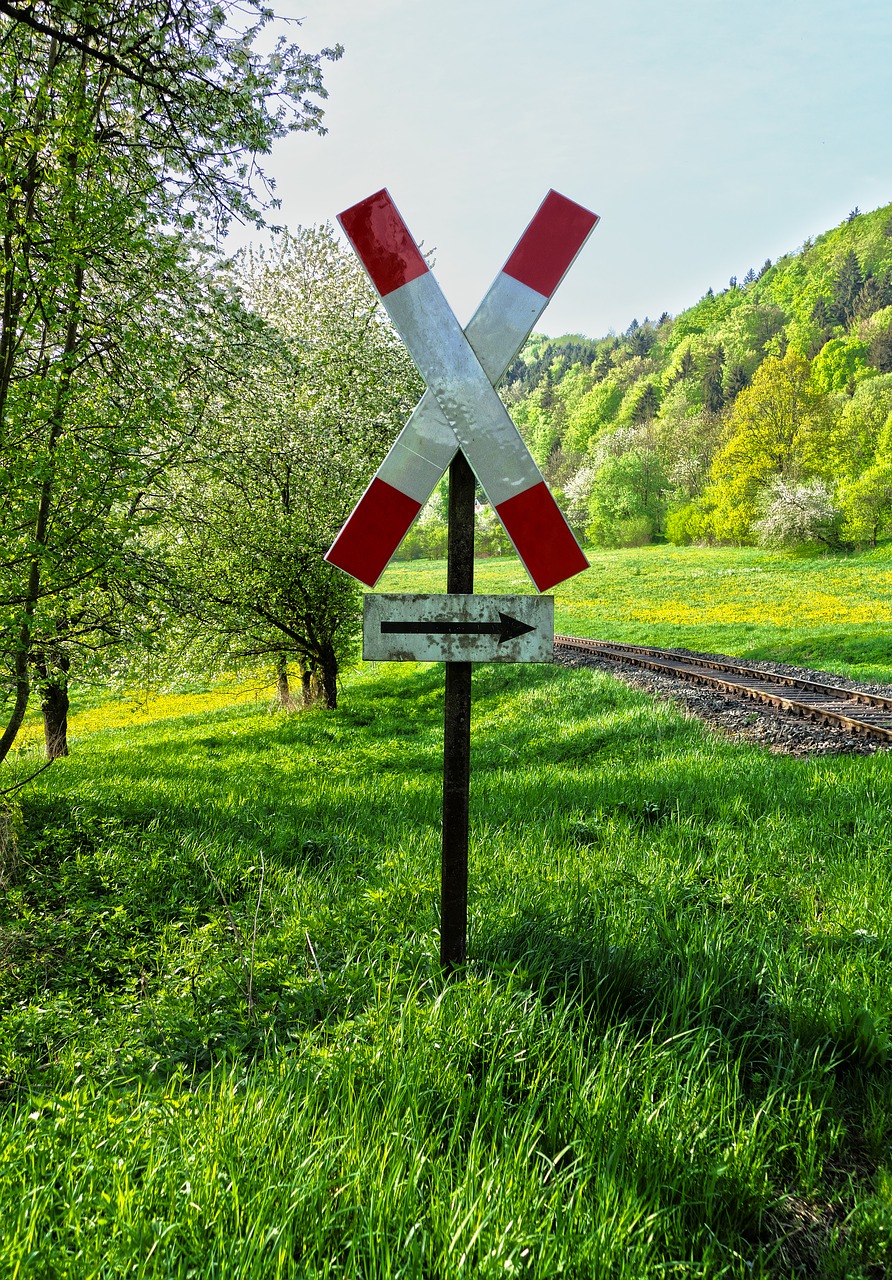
829, 611
226, 1049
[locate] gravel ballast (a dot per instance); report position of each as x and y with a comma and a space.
743, 719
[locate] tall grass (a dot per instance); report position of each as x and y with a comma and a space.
668, 1055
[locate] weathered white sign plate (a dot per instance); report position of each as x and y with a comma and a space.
458, 628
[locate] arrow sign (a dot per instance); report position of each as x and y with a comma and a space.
507, 628
458, 628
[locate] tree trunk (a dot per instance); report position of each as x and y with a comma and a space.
22, 685
328, 677
54, 703
54, 706
10, 311
306, 686
283, 691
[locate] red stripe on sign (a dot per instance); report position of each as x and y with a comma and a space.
383, 242
376, 527
550, 243
542, 536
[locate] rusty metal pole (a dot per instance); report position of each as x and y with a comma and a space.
457, 730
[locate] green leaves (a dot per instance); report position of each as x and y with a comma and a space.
321, 386
124, 130
827, 304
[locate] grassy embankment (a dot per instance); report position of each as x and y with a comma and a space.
669, 1055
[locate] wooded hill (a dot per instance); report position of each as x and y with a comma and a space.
761, 414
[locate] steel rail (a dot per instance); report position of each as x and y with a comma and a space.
822, 702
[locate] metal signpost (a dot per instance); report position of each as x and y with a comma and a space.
460, 423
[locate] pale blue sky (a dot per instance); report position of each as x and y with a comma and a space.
708, 134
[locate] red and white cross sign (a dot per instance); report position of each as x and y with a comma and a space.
460, 409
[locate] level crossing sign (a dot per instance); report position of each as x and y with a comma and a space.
460, 425
461, 409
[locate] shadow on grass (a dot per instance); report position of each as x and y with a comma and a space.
348, 948
564, 956
115, 861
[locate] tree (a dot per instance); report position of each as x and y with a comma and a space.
685, 365
796, 513
846, 286
326, 386
647, 405
642, 340
865, 493
594, 411
713, 388
126, 131
626, 501
866, 502
874, 294
822, 311
490, 537
578, 493
880, 350
130, 415
427, 539
626, 495
686, 441
775, 430
838, 364
735, 381
856, 429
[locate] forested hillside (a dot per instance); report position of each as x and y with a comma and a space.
763, 414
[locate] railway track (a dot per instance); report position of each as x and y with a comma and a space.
855, 710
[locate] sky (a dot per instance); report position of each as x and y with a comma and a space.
708, 134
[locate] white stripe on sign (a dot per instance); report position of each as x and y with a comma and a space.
427, 444
462, 386
493, 445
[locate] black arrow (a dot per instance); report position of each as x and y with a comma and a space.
507, 628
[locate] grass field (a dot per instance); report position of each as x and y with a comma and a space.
226, 1051
834, 612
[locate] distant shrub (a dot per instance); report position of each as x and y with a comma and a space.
426, 540
491, 538
423, 542
634, 531
687, 524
